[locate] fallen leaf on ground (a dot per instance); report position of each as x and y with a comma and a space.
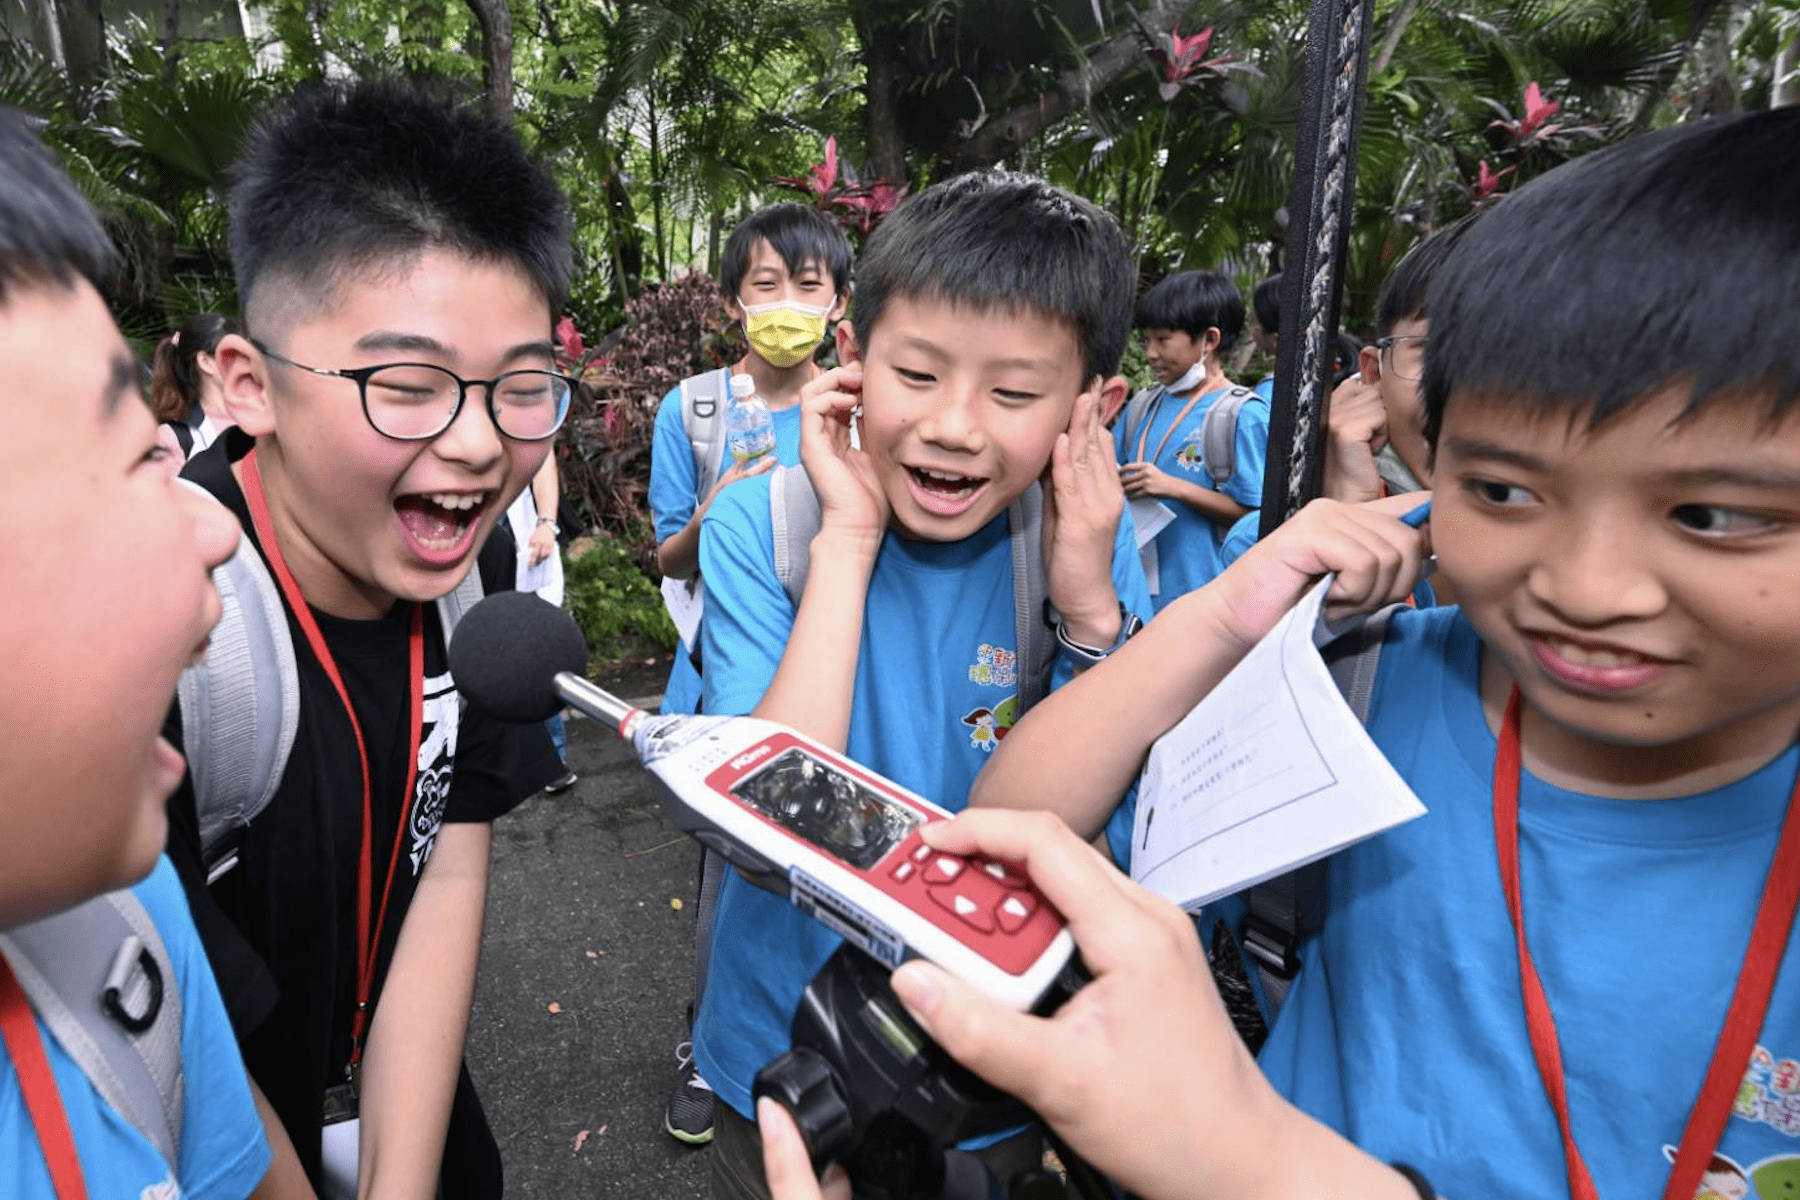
675, 903
580, 1140
554, 1008
600, 1131
593, 954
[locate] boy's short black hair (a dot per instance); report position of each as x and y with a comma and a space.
1670, 258
993, 239
797, 233
1404, 291
1193, 302
367, 174
1265, 301
47, 230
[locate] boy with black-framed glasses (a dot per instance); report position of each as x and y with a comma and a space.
393, 250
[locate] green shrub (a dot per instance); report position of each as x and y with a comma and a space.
620, 611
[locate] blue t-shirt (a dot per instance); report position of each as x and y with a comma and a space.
223, 1151
1265, 387
674, 487
935, 691
1405, 1029
1187, 548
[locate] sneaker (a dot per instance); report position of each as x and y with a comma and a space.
689, 1117
560, 784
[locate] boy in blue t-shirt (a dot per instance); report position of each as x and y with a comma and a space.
785, 275
96, 623
1581, 963
1190, 322
990, 316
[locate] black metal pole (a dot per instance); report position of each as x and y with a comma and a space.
1319, 214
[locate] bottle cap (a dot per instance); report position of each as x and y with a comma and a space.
742, 387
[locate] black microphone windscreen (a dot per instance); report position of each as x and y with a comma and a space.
506, 652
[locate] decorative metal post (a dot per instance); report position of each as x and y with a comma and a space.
1319, 214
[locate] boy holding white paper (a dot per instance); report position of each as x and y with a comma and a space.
1605, 731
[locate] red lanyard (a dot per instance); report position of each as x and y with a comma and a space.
368, 936
25, 1047
1743, 1020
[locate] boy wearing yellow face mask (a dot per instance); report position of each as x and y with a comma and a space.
786, 276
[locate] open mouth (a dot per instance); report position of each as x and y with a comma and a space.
943, 492
440, 523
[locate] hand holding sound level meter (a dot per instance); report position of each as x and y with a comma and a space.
797, 817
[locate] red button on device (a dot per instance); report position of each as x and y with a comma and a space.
1015, 910
971, 913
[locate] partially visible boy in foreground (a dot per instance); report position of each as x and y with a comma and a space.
1605, 732
991, 312
401, 260
96, 623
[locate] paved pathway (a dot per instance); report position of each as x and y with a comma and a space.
580, 921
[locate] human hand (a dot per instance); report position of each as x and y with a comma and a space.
1357, 428
1083, 502
786, 1164
541, 544
851, 501
1099, 1070
1145, 479
1377, 560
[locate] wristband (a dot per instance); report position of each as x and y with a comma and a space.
1087, 656
1419, 1182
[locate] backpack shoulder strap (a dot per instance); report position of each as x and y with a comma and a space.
453, 607
703, 403
1031, 596
1137, 408
1218, 434
239, 707
1287, 909
101, 979
794, 511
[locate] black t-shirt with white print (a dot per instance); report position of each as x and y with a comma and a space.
280, 927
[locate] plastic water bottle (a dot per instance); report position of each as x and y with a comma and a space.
749, 429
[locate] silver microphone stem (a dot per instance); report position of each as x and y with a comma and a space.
596, 702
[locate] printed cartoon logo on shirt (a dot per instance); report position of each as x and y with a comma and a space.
994, 666
1776, 1178
1192, 456
1770, 1094
437, 760
987, 726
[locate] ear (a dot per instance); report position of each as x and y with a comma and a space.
841, 307
1113, 394
847, 349
244, 376
1369, 364
1209, 341
734, 310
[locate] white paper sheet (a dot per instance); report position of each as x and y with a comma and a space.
686, 601
1150, 517
1269, 772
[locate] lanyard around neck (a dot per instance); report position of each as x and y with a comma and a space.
37, 1083
368, 933
1743, 1020
1150, 419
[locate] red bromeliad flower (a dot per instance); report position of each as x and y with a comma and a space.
1534, 126
854, 204
1487, 181
1182, 58
821, 181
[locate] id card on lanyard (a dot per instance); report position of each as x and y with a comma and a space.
341, 1104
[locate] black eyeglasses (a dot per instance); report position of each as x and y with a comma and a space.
415, 402
1405, 355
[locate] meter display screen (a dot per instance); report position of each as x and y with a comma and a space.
828, 809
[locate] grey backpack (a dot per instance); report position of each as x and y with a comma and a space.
100, 978
240, 706
1218, 428
704, 400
